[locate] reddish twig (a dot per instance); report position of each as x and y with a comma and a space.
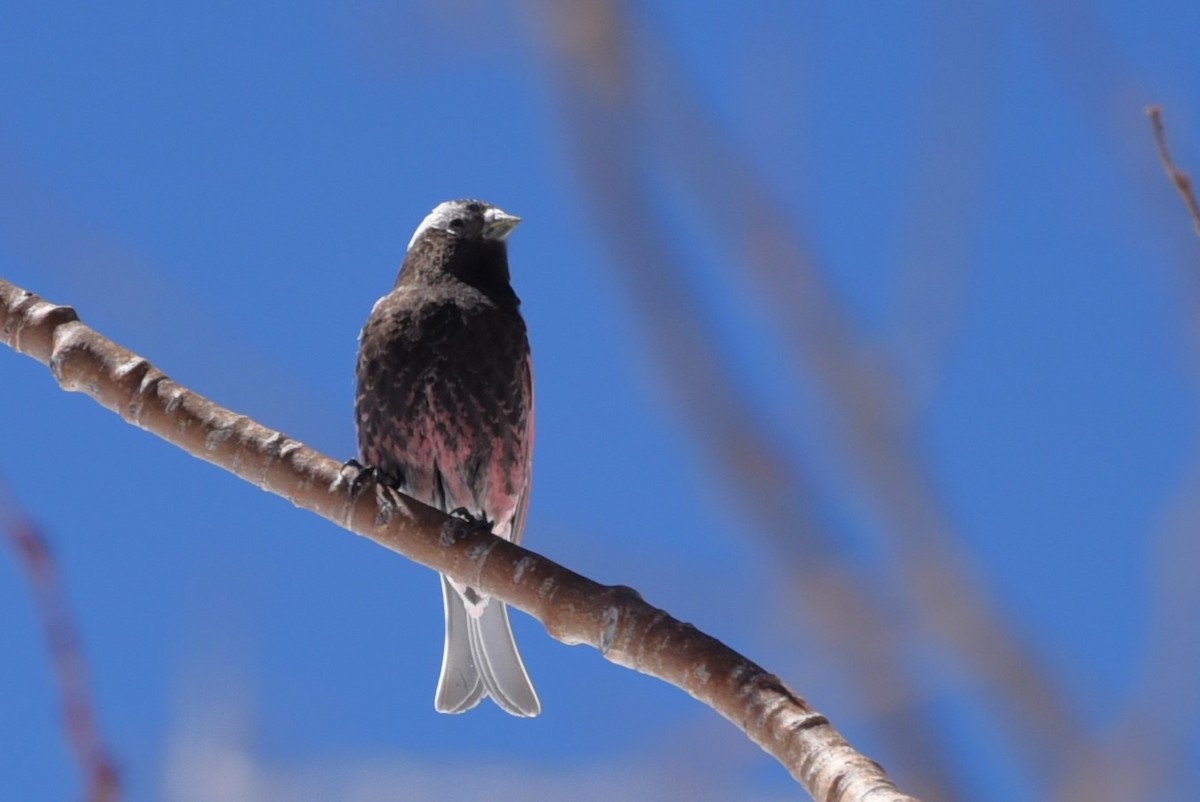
1180, 179
66, 657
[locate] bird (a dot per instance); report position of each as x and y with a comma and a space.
444, 413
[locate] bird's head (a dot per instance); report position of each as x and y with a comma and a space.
466, 221
464, 239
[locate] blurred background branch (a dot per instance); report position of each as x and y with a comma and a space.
1178, 178
606, 98
97, 771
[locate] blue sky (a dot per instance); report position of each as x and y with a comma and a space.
226, 189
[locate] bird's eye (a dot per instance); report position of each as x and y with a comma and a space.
456, 224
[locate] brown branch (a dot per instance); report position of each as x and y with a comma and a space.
574, 609
66, 657
1183, 184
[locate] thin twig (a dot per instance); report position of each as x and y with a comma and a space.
615, 620
1180, 179
66, 656
1159, 715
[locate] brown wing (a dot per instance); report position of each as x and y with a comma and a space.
518, 521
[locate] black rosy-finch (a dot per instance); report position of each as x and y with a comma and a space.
444, 412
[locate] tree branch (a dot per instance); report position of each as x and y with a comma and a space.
1183, 184
574, 609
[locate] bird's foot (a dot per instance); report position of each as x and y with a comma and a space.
464, 514
356, 474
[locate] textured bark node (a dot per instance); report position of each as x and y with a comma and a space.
574, 609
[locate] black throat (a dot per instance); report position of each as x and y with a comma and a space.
478, 263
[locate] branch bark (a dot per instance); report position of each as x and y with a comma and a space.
574, 609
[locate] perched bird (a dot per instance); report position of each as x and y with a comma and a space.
444, 412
